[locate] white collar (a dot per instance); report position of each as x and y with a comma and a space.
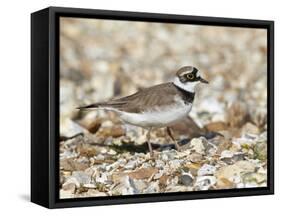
188, 86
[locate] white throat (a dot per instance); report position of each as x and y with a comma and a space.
189, 86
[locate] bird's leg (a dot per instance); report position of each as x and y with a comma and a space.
170, 133
148, 141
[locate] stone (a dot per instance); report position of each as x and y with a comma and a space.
237, 114
195, 157
176, 188
126, 186
71, 180
100, 157
94, 126
81, 177
187, 127
131, 165
87, 151
92, 185
159, 174
140, 184
143, 173
69, 186
260, 150
69, 164
163, 180
168, 155
193, 168
159, 164
231, 172
186, 179
254, 178
210, 148
69, 128
153, 187
115, 131
64, 194
197, 145
246, 166
216, 126
222, 143
250, 128
101, 177
95, 193
226, 154
174, 164
205, 182
206, 169
224, 183
112, 152
238, 156
113, 166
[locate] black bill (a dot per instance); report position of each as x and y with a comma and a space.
203, 80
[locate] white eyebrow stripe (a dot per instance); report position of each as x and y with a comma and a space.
185, 73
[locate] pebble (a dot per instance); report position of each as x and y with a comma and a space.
250, 128
143, 173
69, 186
206, 169
140, 185
81, 177
175, 164
237, 114
69, 128
231, 171
101, 177
216, 126
197, 145
126, 187
226, 154
131, 165
186, 179
70, 165
195, 157
205, 182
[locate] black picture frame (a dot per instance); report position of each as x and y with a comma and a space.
45, 105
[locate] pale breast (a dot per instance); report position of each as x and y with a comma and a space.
159, 117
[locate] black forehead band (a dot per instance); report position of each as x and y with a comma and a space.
194, 70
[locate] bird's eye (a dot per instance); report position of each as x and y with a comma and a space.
190, 76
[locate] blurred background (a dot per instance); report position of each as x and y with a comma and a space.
104, 59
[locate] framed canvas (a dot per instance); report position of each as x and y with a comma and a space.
139, 107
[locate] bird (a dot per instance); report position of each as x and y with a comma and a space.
157, 106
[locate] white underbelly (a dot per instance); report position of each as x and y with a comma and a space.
159, 118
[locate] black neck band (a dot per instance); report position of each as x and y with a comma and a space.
187, 96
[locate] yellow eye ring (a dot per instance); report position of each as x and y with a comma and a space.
190, 76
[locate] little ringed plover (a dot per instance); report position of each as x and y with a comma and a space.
157, 106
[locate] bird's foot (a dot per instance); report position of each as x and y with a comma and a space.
177, 146
154, 155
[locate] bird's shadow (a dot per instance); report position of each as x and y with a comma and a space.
143, 148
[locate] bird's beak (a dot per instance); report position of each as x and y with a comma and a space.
203, 80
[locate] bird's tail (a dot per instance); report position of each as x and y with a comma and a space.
110, 104
91, 106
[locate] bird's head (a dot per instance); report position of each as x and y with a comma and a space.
188, 77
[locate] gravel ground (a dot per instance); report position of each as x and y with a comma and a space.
223, 141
